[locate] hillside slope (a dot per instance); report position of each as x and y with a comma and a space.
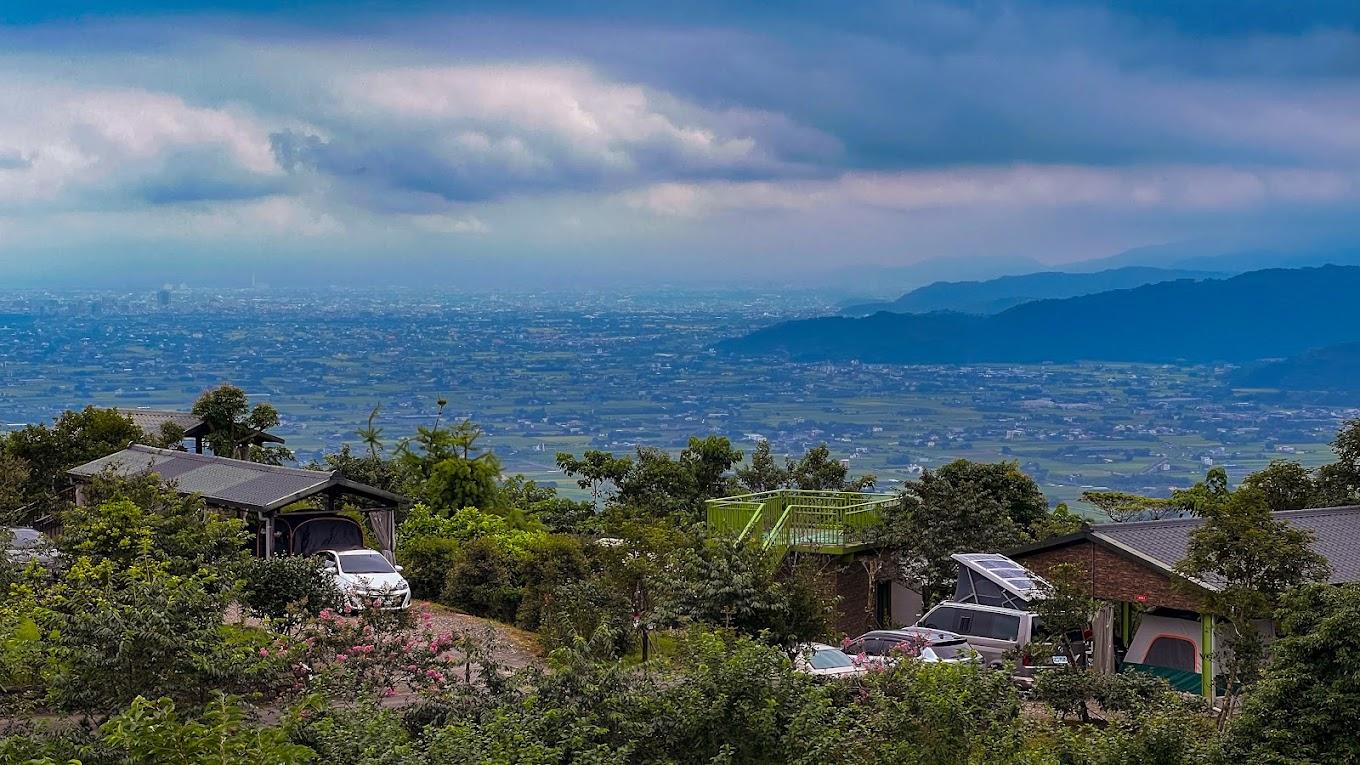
1330, 369
995, 295
1261, 314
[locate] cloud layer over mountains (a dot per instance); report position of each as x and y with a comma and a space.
515, 138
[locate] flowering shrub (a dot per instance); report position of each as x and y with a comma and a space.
376, 654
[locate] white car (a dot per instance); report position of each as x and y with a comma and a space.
822, 660
365, 576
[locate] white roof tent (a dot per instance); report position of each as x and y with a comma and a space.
989, 579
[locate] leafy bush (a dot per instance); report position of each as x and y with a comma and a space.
286, 589
484, 580
152, 733
554, 561
581, 610
1067, 690
427, 561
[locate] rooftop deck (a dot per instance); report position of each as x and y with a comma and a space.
828, 522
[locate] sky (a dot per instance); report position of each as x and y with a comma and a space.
503, 143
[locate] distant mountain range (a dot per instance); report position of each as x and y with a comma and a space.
995, 295
1330, 369
1256, 315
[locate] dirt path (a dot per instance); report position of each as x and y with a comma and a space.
513, 648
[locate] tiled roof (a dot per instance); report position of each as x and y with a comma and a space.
1164, 543
151, 420
234, 483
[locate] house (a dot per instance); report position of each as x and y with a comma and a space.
259, 494
150, 421
1131, 566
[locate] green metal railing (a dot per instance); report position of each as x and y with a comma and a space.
832, 522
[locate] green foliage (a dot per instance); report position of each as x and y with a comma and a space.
764, 473
558, 514
1304, 709
427, 561
1058, 523
46, 453
233, 425
737, 587
123, 633
286, 589
1254, 559
456, 482
1017, 492
1285, 484
1066, 609
138, 519
153, 733
484, 579
938, 517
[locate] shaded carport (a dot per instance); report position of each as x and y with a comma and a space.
253, 491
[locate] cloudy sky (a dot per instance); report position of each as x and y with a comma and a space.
497, 142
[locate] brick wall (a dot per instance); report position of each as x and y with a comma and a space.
1113, 576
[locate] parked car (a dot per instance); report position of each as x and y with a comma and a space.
928, 645
822, 660
991, 630
365, 576
27, 545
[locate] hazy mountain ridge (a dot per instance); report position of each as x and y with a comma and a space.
996, 295
1332, 368
1260, 314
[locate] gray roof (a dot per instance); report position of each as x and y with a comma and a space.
1164, 543
151, 420
231, 483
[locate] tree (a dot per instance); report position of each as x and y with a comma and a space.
371, 435
14, 478
937, 518
1286, 484
1252, 558
818, 471
74, 439
1060, 522
709, 459
1122, 507
764, 473
233, 425
1017, 492
1304, 708
1065, 610
444, 470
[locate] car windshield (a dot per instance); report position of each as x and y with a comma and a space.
949, 650
830, 658
365, 563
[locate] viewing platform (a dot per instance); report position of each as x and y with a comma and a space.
827, 522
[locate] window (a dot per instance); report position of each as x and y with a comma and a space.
829, 658
950, 650
984, 624
365, 563
1172, 653
943, 618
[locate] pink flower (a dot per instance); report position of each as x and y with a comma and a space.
340, 657
435, 675
389, 693
264, 652
326, 614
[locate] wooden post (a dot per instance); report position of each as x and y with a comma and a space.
1206, 650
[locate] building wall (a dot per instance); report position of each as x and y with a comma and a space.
1113, 576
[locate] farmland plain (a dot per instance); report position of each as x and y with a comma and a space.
545, 372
